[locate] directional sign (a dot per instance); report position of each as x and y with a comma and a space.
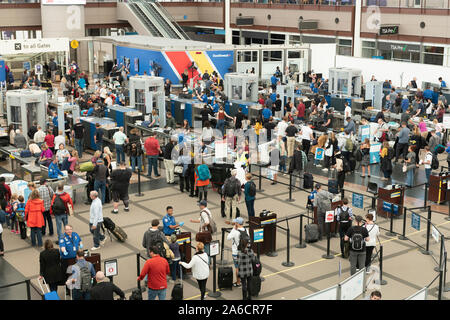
358, 200
214, 248
111, 268
74, 44
415, 221
258, 235
329, 216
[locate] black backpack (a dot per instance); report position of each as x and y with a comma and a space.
357, 241
434, 162
243, 236
252, 189
230, 188
58, 207
85, 278
344, 215
358, 155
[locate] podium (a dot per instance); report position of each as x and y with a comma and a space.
394, 196
333, 225
269, 224
184, 241
438, 187
94, 258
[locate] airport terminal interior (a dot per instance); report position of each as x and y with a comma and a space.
224, 150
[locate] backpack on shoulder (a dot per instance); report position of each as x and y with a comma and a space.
243, 236
434, 162
252, 189
203, 173
357, 241
58, 207
85, 278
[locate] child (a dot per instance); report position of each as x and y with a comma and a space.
13, 216
20, 215
175, 247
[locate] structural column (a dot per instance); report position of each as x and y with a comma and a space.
228, 32
357, 48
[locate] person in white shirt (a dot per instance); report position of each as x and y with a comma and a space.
39, 136
307, 136
34, 148
382, 127
103, 92
119, 139
347, 113
200, 268
281, 127
96, 220
374, 232
60, 139
235, 236
109, 100
427, 162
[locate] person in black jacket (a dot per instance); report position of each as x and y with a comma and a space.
168, 162
105, 290
134, 150
50, 265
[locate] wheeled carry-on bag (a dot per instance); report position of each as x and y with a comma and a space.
311, 233
177, 291
332, 182
49, 295
225, 278
117, 231
255, 286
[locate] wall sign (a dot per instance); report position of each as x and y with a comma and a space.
398, 47
258, 235
20, 46
387, 30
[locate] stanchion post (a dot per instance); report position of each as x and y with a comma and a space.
27, 282
290, 188
258, 255
300, 244
139, 194
441, 276
222, 247
382, 282
214, 293
288, 263
328, 255
427, 248
446, 289
425, 196
391, 232
441, 255
138, 266
403, 236
260, 180
448, 201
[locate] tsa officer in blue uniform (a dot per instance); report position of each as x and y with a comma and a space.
69, 244
169, 222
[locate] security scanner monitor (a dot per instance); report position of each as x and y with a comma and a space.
374, 93
241, 86
147, 93
25, 106
345, 82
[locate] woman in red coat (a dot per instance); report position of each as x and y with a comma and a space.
34, 217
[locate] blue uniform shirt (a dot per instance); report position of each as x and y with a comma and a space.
216, 107
90, 111
273, 80
315, 90
168, 221
273, 96
72, 244
55, 121
443, 84
428, 94
266, 113
204, 98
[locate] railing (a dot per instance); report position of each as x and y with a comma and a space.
27, 284
172, 20
399, 4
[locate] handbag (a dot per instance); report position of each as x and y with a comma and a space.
69, 209
178, 169
203, 236
405, 168
28, 232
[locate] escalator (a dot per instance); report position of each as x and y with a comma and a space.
154, 19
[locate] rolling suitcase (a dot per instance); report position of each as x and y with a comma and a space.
311, 233
332, 182
177, 291
255, 286
117, 231
49, 295
308, 181
225, 278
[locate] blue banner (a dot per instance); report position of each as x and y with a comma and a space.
415, 221
358, 200
387, 207
258, 235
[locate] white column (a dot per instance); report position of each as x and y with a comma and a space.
228, 33
357, 30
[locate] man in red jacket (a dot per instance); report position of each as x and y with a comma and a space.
152, 149
156, 269
60, 209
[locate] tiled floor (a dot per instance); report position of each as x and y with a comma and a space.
405, 268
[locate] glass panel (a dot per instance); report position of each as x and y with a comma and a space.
436, 59
254, 56
294, 54
236, 92
31, 113
368, 53
139, 100
368, 44
438, 50
15, 116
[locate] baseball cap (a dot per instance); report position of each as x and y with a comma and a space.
238, 220
203, 203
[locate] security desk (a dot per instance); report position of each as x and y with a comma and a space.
184, 241
438, 187
390, 195
269, 224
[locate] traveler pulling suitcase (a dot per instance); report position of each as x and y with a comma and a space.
117, 231
311, 233
225, 278
177, 291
